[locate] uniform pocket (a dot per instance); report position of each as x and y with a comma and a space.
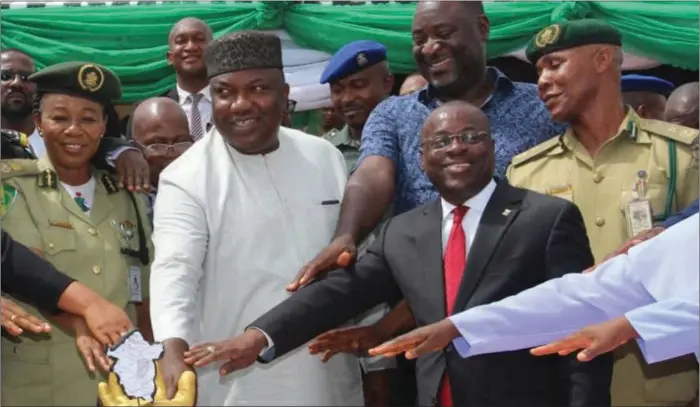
57, 240
26, 373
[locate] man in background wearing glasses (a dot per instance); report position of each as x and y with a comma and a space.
159, 127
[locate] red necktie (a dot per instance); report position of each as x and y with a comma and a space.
455, 262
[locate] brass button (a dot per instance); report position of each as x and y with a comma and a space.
600, 221
51, 245
96, 269
92, 232
598, 177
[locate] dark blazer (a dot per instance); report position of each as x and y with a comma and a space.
27, 276
541, 238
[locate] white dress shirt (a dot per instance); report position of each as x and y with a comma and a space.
470, 223
204, 106
660, 269
230, 232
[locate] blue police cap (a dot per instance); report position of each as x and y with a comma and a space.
353, 58
642, 83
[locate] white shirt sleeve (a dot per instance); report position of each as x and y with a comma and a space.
550, 310
180, 238
666, 329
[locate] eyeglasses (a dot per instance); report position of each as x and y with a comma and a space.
465, 137
164, 149
291, 105
7, 76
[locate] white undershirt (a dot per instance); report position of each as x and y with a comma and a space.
477, 205
204, 106
86, 191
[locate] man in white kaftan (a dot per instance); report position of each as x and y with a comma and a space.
233, 228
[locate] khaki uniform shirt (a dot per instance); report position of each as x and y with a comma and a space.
602, 187
38, 212
349, 147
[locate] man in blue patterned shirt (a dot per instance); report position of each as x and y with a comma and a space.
449, 46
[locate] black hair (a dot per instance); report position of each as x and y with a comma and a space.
112, 127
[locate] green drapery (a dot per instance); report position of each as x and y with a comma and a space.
132, 40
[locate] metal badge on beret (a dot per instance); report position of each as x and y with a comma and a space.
548, 35
91, 78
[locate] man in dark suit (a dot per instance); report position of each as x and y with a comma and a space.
515, 239
186, 43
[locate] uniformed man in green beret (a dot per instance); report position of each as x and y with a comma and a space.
77, 218
624, 172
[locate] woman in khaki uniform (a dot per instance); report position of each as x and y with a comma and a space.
77, 218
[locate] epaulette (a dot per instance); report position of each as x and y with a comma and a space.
676, 132
19, 167
537, 151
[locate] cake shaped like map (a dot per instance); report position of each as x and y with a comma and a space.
135, 365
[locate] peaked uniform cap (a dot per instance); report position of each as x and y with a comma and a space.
83, 79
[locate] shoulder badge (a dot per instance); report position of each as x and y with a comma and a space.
681, 134
537, 151
109, 184
91, 78
18, 167
47, 179
9, 196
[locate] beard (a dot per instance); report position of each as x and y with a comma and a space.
16, 113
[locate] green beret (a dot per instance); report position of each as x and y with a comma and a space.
571, 34
82, 79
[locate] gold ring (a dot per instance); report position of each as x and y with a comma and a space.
211, 349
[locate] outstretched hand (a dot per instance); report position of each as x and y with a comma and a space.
355, 340
594, 340
341, 252
430, 338
238, 352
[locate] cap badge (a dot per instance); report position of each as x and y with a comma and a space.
361, 59
90, 78
547, 36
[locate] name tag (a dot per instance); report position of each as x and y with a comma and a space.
135, 284
639, 217
563, 192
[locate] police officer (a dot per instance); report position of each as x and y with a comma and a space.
646, 95
359, 79
624, 172
78, 219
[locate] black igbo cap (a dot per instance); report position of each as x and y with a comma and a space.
243, 50
571, 34
82, 79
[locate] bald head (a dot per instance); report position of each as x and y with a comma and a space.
160, 127
190, 24
457, 116
682, 105
413, 83
154, 112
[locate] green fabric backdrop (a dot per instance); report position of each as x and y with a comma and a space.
132, 39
